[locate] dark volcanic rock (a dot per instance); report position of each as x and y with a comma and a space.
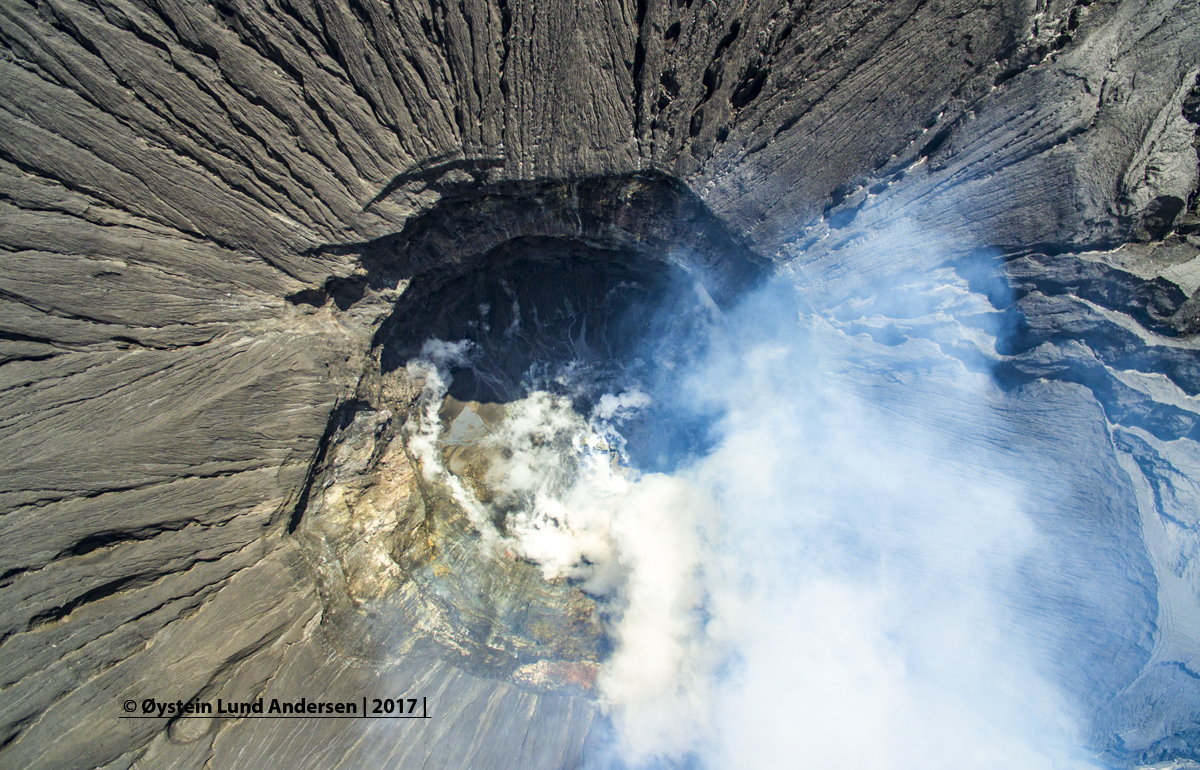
198, 209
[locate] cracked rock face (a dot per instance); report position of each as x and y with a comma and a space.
228, 229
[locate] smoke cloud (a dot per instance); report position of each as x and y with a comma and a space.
828, 578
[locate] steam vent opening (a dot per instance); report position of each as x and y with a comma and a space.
530, 373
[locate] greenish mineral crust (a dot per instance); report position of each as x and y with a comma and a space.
394, 548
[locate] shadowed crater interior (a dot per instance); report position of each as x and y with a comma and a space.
539, 304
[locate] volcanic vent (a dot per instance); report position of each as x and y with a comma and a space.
537, 327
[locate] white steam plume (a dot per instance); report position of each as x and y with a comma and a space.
830, 586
